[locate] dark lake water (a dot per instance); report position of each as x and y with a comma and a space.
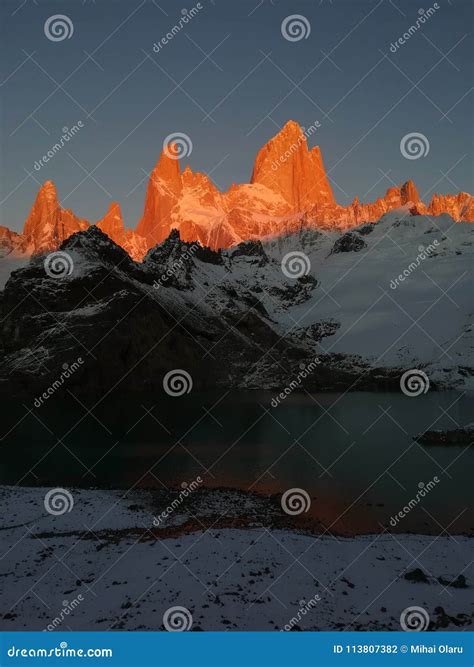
354, 454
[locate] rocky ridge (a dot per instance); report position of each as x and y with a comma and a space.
289, 190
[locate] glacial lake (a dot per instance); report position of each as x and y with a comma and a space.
354, 454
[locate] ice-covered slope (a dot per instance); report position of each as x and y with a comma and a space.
423, 318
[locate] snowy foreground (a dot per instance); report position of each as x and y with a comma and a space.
110, 568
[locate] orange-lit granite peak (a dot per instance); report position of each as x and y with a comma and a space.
459, 206
287, 167
112, 224
289, 188
163, 192
47, 224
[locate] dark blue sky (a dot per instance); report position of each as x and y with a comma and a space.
247, 85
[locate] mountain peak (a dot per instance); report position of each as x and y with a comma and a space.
289, 188
48, 186
168, 166
409, 193
290, 128
47, 224
112, 222
286, 166
114, 207
163, 191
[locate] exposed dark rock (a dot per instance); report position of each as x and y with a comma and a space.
123, 320
298, 291
365, 229
417, 576
209, 256
444, 620
322, 329
456, 437
459, 582
252, 249
349, 242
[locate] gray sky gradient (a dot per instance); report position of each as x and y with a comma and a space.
230, 80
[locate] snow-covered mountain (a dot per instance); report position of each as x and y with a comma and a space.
289, 189
368, 304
